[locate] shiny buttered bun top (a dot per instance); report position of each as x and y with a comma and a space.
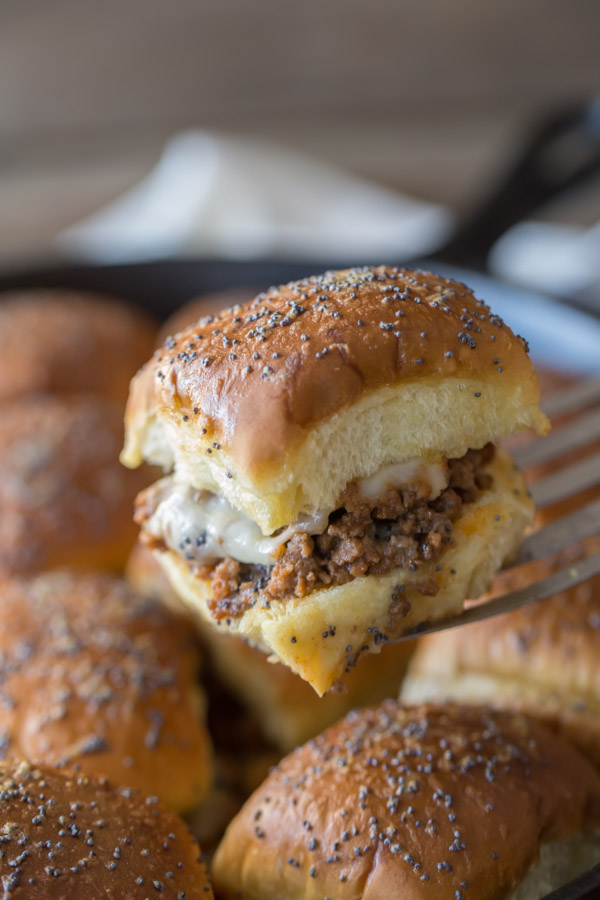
69, 837
424, 802
278, 404
95, 677
65, 498
204, 305
68, 342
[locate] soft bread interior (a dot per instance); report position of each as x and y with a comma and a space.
560, 862
318, 634
428, 419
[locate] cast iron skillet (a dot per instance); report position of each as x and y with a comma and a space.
562, 152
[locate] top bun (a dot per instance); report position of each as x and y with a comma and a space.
67, 342
421, 803
71, 837
279, 403
204, 305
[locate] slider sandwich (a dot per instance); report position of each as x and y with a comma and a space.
416, 803
334, 476
66, 836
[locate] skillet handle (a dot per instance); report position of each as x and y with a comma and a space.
563, 151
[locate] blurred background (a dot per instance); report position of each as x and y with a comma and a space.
431, 99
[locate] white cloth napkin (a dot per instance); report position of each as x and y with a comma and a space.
212, 195
559, 260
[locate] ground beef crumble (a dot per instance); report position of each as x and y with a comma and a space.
403, 530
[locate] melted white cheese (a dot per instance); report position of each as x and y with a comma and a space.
204, 527
433, 475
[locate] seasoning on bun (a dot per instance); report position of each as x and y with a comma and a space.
66, 836
69, 342
64, 497
100, 680
420, 803
335, 476
204, 305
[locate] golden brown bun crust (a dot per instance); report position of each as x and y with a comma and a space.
65, 498
69, 342
105, 842
256, 384
391, 795
205, 305
96, 677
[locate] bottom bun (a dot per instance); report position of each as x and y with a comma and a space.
286, 708
321, 636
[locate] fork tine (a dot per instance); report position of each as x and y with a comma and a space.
560, 441
574, 398
565, 531
568, 482
560, 581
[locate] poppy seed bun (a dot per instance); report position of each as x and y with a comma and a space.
543, 659
70, 837
425, 802
95, 677
69, 342
279, 404
205, 304
318, 636
64, 497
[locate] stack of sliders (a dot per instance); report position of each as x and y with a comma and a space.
334, 477
334, 480
66, 359
97, 683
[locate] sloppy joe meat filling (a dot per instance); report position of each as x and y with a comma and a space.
401, 528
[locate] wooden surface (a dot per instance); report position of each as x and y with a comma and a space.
427, 96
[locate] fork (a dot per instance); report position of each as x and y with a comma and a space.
553, 488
